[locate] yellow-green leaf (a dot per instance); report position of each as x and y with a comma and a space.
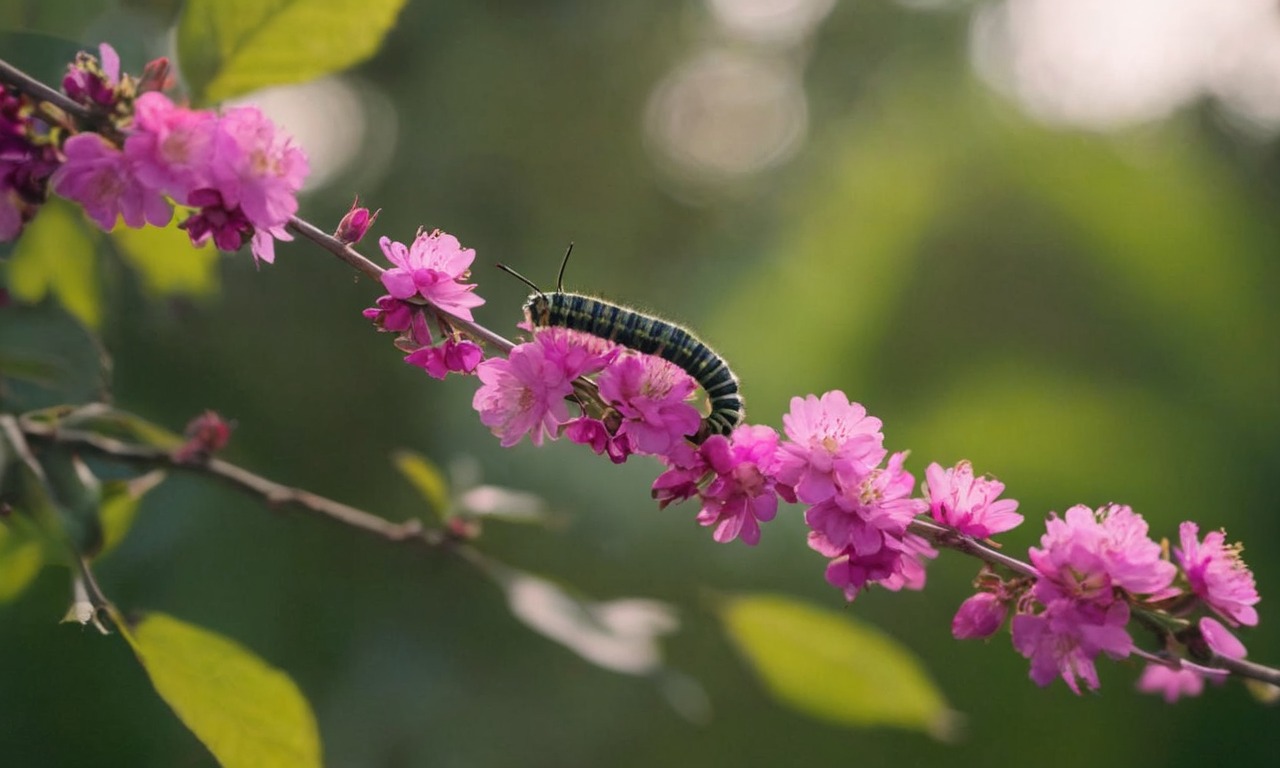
833, 667
21, 555
426, 477
56, 254
248, 713
167, 261
230, 47
119, 506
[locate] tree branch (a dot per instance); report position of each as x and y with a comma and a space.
273, 493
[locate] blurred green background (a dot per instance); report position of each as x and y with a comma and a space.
1068, 281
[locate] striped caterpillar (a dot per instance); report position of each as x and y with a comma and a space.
645, 334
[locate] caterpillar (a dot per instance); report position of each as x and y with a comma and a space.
645, 334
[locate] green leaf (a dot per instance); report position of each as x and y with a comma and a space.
833, 667
21, 555
166, 260
228, 48
46, 358
248, 713
120, 506
427, 478
56, 255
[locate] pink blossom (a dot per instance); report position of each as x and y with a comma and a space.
229, 228
523, 394
433, 268
263, 243
103, 180
686, 469
833, 443
1066, 637
1171, 683
1086, 554
858, 517
1220, 640
257, 168
742, 493
452, 356
979, 616
910, 572
580, 354
397, 316
1087, 561
92, 83
852, 572
649, 393
967, 503
1217, 573
172, 146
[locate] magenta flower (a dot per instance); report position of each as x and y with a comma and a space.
649, 393
852, 572
742, 494
860, 516
1220, 640
523, 394
227, 227
833, 443
103, 181
433, 268
579, 354
1171, 683
452, 356
92, 83
171, 146
1064, 640
967, 503
397, 316
257, 168
1217, 574
686, 469
910, 573
1086, 554
979, 616
1087, 562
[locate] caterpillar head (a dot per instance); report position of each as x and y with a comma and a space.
537, 310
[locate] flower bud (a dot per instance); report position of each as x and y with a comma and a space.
355, 223
979, 616
206, 434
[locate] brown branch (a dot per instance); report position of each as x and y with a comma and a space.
273, 493
949, 538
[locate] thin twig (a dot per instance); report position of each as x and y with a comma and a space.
275, 494
949, 538
38, 90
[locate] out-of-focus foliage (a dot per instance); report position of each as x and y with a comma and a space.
230, 47
834, 667
165, 261
249, 714
55, 255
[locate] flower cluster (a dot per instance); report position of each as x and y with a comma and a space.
1092, 571
428, 278
235, 172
